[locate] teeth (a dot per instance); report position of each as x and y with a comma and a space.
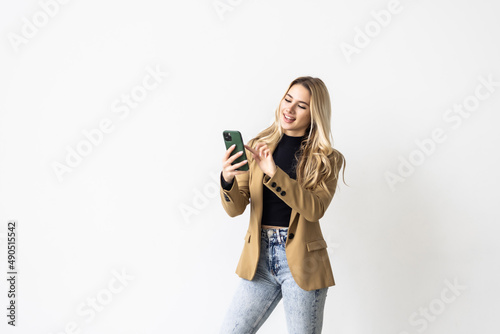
288, 117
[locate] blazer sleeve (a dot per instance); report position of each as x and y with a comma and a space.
311, 205
236, 199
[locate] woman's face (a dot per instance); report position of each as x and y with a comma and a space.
295, 115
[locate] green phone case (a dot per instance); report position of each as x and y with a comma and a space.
234, 137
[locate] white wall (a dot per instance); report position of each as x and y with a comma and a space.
395, 250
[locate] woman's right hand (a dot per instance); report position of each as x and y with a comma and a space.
228, 170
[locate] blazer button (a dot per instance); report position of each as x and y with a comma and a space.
278, 189
273, 184
227, 198
283, 193
290, 236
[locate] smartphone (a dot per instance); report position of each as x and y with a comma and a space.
234, 137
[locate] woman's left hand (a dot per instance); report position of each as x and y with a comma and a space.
262, 154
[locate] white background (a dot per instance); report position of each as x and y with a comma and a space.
146, 200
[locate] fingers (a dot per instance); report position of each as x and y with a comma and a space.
228, 157
227, 164
232, 158
255, 154
259, 146
239, 164
261, 150
228, 169
251, 149
232, 169
228, 152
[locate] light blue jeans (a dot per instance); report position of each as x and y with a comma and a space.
255, 300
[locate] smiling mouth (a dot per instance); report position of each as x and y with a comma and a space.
288, 118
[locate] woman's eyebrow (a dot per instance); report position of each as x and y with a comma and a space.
299, 101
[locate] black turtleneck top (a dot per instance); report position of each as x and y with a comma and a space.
275, 211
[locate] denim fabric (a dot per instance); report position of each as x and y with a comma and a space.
255, 300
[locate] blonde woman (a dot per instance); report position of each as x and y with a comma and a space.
292, 177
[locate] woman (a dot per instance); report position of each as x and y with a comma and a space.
292, 177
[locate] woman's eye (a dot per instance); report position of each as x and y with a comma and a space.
299, 106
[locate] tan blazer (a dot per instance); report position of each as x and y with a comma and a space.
305, 246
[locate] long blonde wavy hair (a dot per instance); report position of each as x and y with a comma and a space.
317, 160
